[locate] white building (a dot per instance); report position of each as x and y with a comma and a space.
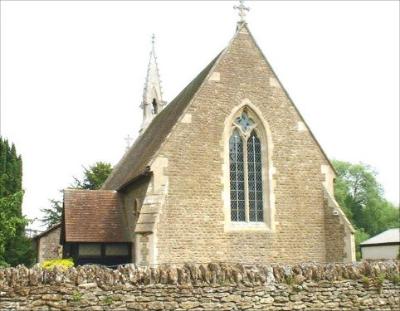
385, 245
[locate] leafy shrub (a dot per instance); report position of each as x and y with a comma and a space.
395, 279
77, 296
289, 280
108, 300
61, 263
366, 281
3, 264
379, 280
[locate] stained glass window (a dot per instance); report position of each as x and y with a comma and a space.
246, 182
237, 177
254, 165
244, 122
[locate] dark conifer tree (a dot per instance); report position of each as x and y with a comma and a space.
15, 248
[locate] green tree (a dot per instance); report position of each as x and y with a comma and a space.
361, 196
93, 179
53, 214
10, 169
15, 247
94, 176
20, 250
360, 236
9, 222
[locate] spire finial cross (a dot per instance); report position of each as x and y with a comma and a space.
242, 10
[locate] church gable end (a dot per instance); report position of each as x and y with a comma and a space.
193, 221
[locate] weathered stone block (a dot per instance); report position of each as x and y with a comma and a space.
232, 298
54, 297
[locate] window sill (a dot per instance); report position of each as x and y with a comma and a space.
247, 226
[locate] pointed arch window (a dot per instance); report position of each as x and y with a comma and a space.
246, 178
154, 106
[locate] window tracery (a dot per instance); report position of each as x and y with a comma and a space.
246, 182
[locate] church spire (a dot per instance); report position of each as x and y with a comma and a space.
152, 102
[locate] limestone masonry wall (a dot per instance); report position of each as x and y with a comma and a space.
195, 222
360, 286
49, 245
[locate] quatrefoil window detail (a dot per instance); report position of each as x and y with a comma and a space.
245, 123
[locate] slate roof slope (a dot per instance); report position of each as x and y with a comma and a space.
94, 216
388, 236
138, 157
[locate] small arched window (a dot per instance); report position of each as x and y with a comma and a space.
246, 181
154, 106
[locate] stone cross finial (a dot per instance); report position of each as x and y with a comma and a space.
242, 10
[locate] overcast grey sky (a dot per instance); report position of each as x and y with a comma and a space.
72, 76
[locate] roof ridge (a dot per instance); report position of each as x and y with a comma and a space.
87, 190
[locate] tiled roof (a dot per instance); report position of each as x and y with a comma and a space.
138, 157
93, 216
388, 236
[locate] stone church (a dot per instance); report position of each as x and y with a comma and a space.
228, 171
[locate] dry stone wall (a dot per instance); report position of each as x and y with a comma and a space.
361, 286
